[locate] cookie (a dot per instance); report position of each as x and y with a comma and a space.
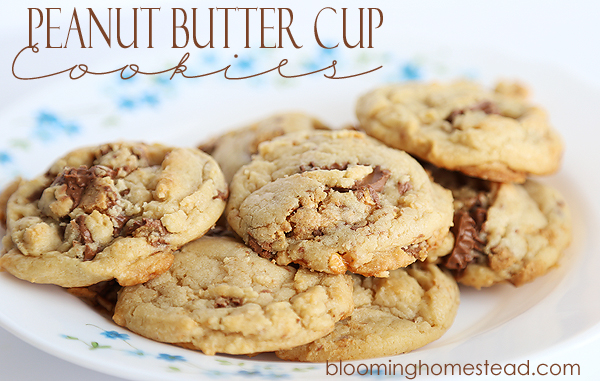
335, 201
101, 296
235, 148
113, 211
221, 297
503, 231
495, 135
394, 315
4, 196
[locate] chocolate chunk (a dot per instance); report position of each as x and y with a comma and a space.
36, 195
230, 301
123, 171
318, 232
222, 195
151, 228
89, 253
372, 183
85, 238
254, 245
336, 166
103, 171
366, 196
306, 168
78, 179
464, 232
118, 223
136, 224
416, 249
479, 214
340, 189
98, 196
404, 187
468, 223
84, 233
487, 107
314, 167
357, 225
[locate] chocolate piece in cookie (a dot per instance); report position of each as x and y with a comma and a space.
504, 232
495, 135
338, 201
114, 211
235, 148
221, 297
394, 315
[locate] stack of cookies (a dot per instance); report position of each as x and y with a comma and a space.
333, 244
482, 145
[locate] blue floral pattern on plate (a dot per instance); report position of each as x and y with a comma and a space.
219, 367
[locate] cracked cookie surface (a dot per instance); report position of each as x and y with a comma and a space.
112, 211
394, 315
496, 135
336, 201
221, 297
234, 149
504, 232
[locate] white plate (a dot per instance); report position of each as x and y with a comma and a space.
500, 324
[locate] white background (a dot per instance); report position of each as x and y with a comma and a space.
562, 34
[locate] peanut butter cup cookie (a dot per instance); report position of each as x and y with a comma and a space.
221, 297
235, 148
394, 315
4, 196
113, 211
504, 232
495, 135
334, 201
